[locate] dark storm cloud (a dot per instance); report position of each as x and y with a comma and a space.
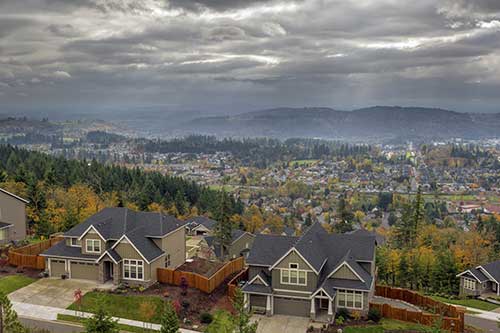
220, 54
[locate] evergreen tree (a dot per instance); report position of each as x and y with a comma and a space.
242, 318
101, 322
223, 227
9, 323
222, 323
169, 320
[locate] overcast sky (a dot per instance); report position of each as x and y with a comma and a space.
249, 54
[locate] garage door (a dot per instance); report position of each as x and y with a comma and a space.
291, 306
84, 271
258, 301
57, 267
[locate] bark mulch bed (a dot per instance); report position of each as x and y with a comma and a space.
201, 266
12, 270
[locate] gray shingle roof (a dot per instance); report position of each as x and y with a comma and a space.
347, 284
257, 288
62, 250
139, 227
5, 225
493, 268
203, 220
266, 249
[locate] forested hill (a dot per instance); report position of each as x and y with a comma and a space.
64, 192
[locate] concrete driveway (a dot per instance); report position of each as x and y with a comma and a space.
279, 323
54, 292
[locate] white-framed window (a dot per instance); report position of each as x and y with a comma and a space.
469, 284
76, 242
168, 262
246, 246
350, 299
293, 275
133, 269
93, 245
4, 234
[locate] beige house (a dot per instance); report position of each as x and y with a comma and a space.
12, 217
241, 243
119, 245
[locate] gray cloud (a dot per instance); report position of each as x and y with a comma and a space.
215, 55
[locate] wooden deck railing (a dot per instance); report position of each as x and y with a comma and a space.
203, 283
233, 284
28, 256
452, 316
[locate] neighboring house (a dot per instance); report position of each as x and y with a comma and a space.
312, 275
482, 280
12, 217
363, 232
121, 245
241, 243
200, 225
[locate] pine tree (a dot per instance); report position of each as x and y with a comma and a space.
169, 320
9, 323
223, 228
101, 322
242, 318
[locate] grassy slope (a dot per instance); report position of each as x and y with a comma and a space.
11, 283
119, 306
471, 303
386, 325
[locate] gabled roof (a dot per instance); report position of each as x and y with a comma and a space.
113, 223
213, 243
476, 274
266, 249
201, 220
14, 196
492, 269
363, 232
4, 225
62, 250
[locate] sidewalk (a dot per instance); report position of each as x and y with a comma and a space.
489, 315
50, 313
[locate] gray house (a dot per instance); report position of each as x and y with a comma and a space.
12, 217
241, 243
312, 275
119, 245
481, 281
200, 225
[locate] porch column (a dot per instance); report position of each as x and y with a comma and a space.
313, 308
330, 310
498, 289
245, 301
268, 305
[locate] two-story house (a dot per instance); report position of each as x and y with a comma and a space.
312, 275
12, 217
121, 245
482, 280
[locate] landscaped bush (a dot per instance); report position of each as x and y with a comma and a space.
344, 313
206, 318
374, 315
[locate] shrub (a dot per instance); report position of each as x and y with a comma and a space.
356, 315
374, 315
339, 320
206, 318
343, 312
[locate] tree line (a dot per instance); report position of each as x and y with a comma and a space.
63, 192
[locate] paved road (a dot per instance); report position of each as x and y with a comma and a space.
484, 324
51, 326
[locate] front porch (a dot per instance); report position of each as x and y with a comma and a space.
322, 307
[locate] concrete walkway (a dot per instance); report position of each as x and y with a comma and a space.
489, 315
50, 313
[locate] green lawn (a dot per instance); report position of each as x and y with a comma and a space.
122, 327
388, 325
119, 306
11, 283
468, 302
304, 162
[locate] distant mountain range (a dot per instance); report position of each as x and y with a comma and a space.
379, 123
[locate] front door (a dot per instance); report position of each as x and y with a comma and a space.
108, 270
323, 303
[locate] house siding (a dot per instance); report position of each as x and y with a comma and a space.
175, 245
240, 245
13, 211
468, 292
345, 272
92, 235
292, 257
126, 251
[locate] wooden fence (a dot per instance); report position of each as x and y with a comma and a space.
198, 281
28, 256
233, 284
452, 316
